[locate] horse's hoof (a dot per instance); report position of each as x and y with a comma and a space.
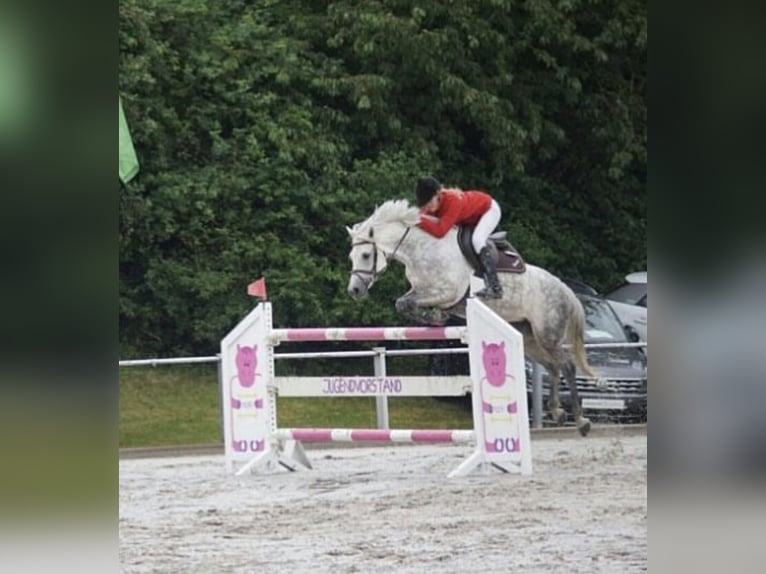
559, 417
584, 428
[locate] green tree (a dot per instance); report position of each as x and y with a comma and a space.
264, 128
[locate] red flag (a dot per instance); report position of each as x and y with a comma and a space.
257, 288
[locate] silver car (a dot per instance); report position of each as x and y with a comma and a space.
629, 302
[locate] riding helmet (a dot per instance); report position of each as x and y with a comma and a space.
425, 189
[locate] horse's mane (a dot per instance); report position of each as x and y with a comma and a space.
397, 210
392, 211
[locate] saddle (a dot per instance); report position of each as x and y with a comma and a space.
506, 256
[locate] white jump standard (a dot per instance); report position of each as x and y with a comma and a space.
497, 384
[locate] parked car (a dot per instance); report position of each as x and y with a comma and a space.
620, 392
629, 302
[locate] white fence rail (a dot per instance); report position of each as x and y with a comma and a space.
379, 355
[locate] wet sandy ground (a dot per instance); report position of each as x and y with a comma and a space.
391, 509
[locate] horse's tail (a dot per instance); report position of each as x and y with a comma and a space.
577, 339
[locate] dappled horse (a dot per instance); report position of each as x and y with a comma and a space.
535, 302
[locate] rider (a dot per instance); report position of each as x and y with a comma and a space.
441, 208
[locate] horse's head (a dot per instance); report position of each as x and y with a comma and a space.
367, 261
375, 241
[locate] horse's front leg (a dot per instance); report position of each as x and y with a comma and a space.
409, 306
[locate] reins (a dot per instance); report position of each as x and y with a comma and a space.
401, 240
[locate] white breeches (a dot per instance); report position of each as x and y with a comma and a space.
486, 226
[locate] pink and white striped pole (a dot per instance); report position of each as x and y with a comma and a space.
376, 435
368, 334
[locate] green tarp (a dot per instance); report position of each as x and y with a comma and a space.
128, 159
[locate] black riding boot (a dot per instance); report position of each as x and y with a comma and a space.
492, 289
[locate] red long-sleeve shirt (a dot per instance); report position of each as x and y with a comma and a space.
465, 208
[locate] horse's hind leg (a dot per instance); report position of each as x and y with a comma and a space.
559, 360
570, 373
558, 414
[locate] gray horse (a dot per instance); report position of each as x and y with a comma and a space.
535, 302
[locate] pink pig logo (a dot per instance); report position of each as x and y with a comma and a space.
493, 357
496, 403
246, 361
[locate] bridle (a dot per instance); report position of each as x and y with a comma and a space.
373, 273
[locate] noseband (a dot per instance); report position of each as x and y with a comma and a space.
373, 273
